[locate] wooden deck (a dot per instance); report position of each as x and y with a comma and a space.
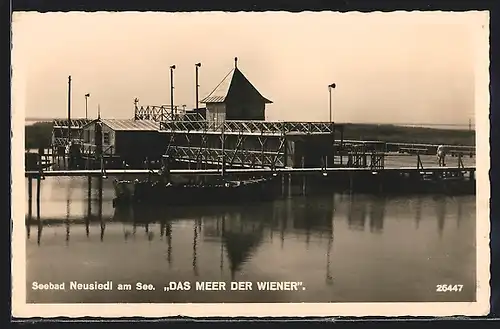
255, 171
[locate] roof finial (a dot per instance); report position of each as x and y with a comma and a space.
236, 62
98, 111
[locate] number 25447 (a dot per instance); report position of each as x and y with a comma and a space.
449, 287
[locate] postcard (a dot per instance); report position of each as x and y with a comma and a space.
250, 164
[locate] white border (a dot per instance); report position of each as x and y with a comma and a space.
23, 310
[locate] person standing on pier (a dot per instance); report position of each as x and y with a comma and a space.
441, 154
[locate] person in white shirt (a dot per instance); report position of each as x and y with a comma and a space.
441, 154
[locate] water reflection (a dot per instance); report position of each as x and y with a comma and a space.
245, 226
377, 213
318, 238
418, 211
195, 243
440, 213
357, 212
459, 213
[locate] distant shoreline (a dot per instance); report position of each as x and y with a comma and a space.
38, 134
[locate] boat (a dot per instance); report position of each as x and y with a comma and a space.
220, 191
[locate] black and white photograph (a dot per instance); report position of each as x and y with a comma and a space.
250, 164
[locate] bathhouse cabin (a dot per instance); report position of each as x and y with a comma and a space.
126, 140
235, 98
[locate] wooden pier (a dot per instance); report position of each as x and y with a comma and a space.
239, 171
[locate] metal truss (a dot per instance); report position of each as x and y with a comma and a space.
264, 128
245, 151
230, 158
75, 123
164, 113
61, 126
63, 141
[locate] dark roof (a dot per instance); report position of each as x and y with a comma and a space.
233, 83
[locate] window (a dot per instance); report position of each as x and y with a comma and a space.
105, 138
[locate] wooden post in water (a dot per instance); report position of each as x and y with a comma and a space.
350, 183
30, 193
303, 178
100, 181
38, 183
148, 167
289, 185
283, 187
39, 178
89, 194
39, 226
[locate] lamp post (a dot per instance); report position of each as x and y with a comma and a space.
197, 66
330, 87
172, 68
86, 106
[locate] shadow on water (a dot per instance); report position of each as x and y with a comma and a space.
314, 233
239, 229
363, 208
244, 226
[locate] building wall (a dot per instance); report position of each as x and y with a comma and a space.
137, 145
312, 150
108, 137
216, 112
254, 110
247, 110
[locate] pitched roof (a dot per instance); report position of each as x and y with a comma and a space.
131, 124
233, 82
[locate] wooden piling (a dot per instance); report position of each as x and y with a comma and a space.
89, 191
100, 181
38, 183
303, 178
282, 185
39, 179
39, 226
30, 193
89, 202
148, 167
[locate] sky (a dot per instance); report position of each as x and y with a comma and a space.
388, 67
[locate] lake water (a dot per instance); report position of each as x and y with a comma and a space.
338, 247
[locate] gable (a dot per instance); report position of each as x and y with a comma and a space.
235, 86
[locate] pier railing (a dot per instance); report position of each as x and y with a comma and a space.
273, 128
164, 113
90, 150
413, 148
